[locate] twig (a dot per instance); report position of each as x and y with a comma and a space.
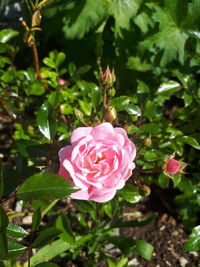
6, 199
36, 64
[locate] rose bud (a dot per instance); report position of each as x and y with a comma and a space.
111, 92
62, 81
99, 161
111, 114
108, 78
173, 166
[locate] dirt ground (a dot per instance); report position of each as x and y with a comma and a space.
166, 234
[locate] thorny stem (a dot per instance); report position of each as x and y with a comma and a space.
85, 123
105, 97
36, 60
36, 63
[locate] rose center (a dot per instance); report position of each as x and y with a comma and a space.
99, 159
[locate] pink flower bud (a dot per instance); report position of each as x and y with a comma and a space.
108, 77
62, 81
105, 75
172, 166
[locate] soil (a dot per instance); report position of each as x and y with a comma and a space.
166, 234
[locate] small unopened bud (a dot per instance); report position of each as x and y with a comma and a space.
144, 190
108, 78
62, 81
78, 114
29, 39
147, 141
36, 18
111, 92
173, 166
111, 114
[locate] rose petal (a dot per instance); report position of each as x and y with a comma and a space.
79, 183
64, 173
101, 195
65, 153
103, 131
81, 194
80, 133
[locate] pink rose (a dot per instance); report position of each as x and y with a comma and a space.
172, 166
98, 161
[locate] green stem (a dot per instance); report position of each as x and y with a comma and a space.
53, 203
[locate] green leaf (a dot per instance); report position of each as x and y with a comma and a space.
151, 128
168, 87
87, 206
63, 224
5, 48
83, 17
54, 99
16, 231
189, 141
49, 62
133, 110
71, 69
144, 249
96, 94
130, 193
123, 262
163, 181
3, 244
111, 207
187, 99
46, 121
48, 252
83, 239
125, 244
45, 185
36, 88
36, 219
192, 14
110, 262
133, 223
3, 219
176, 179
66, 109
170, 38
123, 12
193, 244
46, 236
7, 34
85, 107
120, 102
15, 249
60, 59
83, 69
135, 63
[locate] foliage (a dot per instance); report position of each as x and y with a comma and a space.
154, 49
